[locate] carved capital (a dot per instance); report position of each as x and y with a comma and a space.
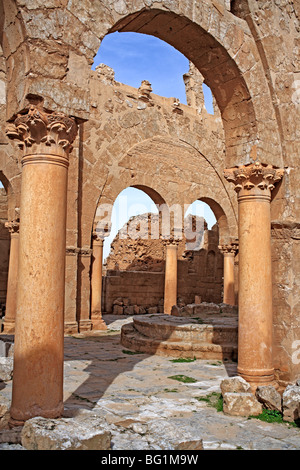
170, 241
13, 226
44, 133
230, 249
255, 178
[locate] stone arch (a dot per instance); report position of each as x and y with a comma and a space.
220, 45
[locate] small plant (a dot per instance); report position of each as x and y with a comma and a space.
183, 359
269, 416
183, 378
170, 390
214, 400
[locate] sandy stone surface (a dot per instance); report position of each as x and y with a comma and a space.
145, 408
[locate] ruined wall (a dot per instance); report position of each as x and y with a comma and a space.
248, 53
135, 272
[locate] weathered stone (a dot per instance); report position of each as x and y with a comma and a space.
64, 434
234, 385
118, 310
241, 404
291, 403
269, 397
190, 445
6, 368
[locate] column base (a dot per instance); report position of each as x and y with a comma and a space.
15, 421
8, 327
70, 327
85, 325
98, 324
257, 378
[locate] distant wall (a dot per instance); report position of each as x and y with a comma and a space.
201, 276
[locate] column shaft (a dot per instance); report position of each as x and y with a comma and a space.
12, 281
96, 285
170, 294
255, 357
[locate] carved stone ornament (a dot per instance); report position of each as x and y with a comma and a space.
229, 249
254, 175
45, 129
13, 226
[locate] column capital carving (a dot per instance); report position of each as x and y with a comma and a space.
40, 132
254, 179
231, 249
170, 241
13, 226
99, 235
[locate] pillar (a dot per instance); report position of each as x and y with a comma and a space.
229, 252
12, 281
170, 292
39, 331
96, 282
253, 184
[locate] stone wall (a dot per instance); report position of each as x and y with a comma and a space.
200, 273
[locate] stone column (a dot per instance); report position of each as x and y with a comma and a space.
12, 281
96, 282
229, 252
170, 293
253, 184
39, 332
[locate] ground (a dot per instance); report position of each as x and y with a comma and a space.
158, 398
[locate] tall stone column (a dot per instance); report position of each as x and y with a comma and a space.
12, 281
229, 252
96, 282
253, 184
170, 292
39, 332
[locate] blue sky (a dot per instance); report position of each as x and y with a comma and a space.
136, 57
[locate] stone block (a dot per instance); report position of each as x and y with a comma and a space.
64, 434
291, 403
234, 385
118, 310
241, 404
269, 397
6, 368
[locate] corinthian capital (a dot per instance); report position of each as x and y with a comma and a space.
13, 226
253, 176
231, 248
42, 131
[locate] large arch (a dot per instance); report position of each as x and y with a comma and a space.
216, 41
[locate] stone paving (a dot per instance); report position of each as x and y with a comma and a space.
103, 377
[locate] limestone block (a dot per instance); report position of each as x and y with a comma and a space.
6, 368
241, 404
152, 310
269, 397
64, 434
291, 403
118, 310
234, 385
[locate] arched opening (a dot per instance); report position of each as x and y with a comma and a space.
219, 70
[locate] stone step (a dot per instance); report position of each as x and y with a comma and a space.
133, 339
216, 330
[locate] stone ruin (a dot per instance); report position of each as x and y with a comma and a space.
68, 130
